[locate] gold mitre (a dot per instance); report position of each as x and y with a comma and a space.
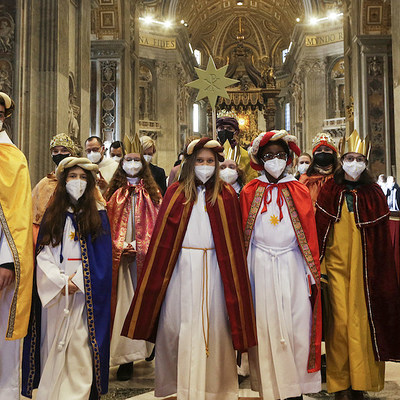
323, 139
354, 144
132, 144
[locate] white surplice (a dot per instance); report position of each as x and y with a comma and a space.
182, 366
66, 355
124, 350
279, 279
9, 349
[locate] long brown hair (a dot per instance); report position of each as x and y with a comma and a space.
119, 180
188, 179
86, 212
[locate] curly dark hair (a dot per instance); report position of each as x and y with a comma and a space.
312, 169
85, 210
119, 180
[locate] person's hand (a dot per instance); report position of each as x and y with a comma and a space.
129, 253
102, 183
72, 288
7, 277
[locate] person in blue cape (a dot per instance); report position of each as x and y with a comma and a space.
66, 353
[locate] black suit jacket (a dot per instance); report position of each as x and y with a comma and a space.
159, 176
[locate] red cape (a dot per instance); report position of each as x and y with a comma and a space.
301, 210
165, 246
382, 293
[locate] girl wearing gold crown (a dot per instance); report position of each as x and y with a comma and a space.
358, 266
322, 166
194, 298
133, 203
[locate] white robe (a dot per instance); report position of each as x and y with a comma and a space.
107, 167
124, 350
182, 366
9, 349
279, 279
66, 354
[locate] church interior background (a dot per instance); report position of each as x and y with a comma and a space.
110, 67
115, 67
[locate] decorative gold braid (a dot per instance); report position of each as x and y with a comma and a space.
17, 269
255, 206
90, 312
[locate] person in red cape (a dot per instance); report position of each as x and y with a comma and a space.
133, 203
322, 166
283, 259
357, 264
194, 297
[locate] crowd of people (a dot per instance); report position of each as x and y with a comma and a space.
110, 262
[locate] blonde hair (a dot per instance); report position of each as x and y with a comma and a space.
147, 142
187, 179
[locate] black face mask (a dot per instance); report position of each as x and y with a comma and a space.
324, 159
225, 135
59, 157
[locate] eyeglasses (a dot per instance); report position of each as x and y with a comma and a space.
270, 156
132, 159
352, 158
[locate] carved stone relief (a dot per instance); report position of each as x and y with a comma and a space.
108, 71
376, 112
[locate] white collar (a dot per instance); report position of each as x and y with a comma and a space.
4, 138
286, 178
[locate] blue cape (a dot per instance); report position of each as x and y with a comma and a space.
97, 269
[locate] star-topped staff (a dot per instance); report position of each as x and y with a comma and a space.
212, 83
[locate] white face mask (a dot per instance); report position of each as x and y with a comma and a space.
228, 175
148, 158
75, 188
94, 156
204, 172
132, 168
275, 167
354, 168
302, 168
1, 126
117, 158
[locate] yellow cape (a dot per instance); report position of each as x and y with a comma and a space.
16, 222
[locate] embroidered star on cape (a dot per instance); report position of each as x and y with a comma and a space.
72, 235
274, 220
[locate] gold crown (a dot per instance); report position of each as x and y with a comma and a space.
62, 139
354, 144
132, 145
323, 139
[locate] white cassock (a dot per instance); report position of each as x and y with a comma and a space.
279, 281
66, 355
124, 350
9, 349
107, 167
182, 366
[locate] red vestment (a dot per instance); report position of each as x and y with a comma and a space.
382, 293
164, 249
118, 210
301, 213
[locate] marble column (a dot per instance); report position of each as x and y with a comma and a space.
53, 45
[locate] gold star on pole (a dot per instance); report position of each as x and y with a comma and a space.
212, 83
